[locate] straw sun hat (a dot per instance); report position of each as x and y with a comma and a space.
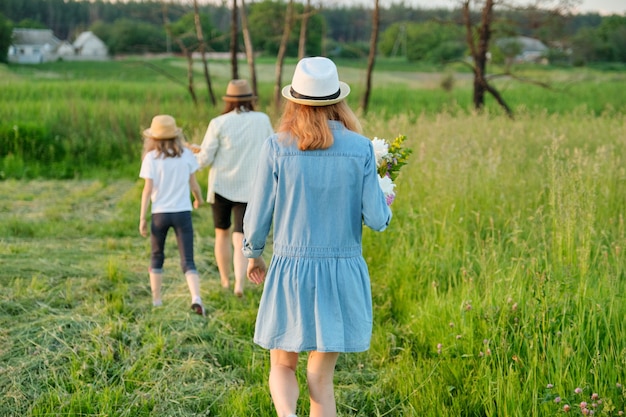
238, 90
316, 83
163, 127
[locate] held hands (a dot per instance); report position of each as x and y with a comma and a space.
256, 270
197, 203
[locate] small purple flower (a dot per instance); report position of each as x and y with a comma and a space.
566, 408
583, 405
557, 400
594, 397
578, 390
550, 386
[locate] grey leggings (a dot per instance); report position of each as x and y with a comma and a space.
183, 228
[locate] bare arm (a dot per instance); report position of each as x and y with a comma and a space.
195, 190
145, 204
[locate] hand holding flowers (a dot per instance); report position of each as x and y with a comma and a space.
390, 157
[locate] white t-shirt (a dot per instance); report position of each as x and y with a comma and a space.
170, 178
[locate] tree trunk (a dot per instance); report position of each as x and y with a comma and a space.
202, 47
182, 46
247, 40
282, 50
479, 46
234, 30
372, 56
303, 29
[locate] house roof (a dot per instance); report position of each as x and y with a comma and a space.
84, 37
34, 37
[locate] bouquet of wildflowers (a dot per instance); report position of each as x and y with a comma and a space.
390, 157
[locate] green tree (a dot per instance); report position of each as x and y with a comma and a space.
185, 29
132, 36
30, 24
428, 41
266, 22
6, 31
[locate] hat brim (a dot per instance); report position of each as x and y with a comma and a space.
240, 98
344, 90
148, 134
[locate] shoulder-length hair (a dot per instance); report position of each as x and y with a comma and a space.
308, 125
240, 106
165, 148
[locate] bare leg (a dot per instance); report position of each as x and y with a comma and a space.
156, 279
283, 383
319, 374
223, 255
240, 263
193, 282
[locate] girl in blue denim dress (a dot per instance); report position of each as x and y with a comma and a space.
317, 185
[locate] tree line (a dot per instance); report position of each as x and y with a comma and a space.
431, 35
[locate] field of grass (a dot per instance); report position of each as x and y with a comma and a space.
498, 288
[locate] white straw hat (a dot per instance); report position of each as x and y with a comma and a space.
316, 83
163, 127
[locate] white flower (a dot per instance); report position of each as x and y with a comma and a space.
387, 185
381, 149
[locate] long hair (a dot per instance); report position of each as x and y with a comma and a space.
165, 148
240, 106
308, 125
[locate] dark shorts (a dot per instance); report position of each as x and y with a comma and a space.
224, 209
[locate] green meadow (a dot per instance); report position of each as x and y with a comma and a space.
498, 289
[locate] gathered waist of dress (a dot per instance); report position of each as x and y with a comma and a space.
317, 252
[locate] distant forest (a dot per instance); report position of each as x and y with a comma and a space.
138, 27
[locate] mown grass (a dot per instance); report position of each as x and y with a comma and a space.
498, 287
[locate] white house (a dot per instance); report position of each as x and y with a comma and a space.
33, 46
526, 49
88, 46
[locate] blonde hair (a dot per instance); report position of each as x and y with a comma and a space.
165, 148
308, 125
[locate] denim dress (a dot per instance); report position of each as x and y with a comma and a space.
316, 294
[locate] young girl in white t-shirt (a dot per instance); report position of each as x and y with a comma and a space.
168, 168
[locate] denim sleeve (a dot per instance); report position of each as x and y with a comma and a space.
260, 210
376, 212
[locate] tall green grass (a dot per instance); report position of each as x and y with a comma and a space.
77, 119
498, 288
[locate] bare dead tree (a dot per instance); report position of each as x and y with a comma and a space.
186, 52
478, 42
371, 60
202, 48
303, 29
282, 50
234, 30
479, 36
247, 40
